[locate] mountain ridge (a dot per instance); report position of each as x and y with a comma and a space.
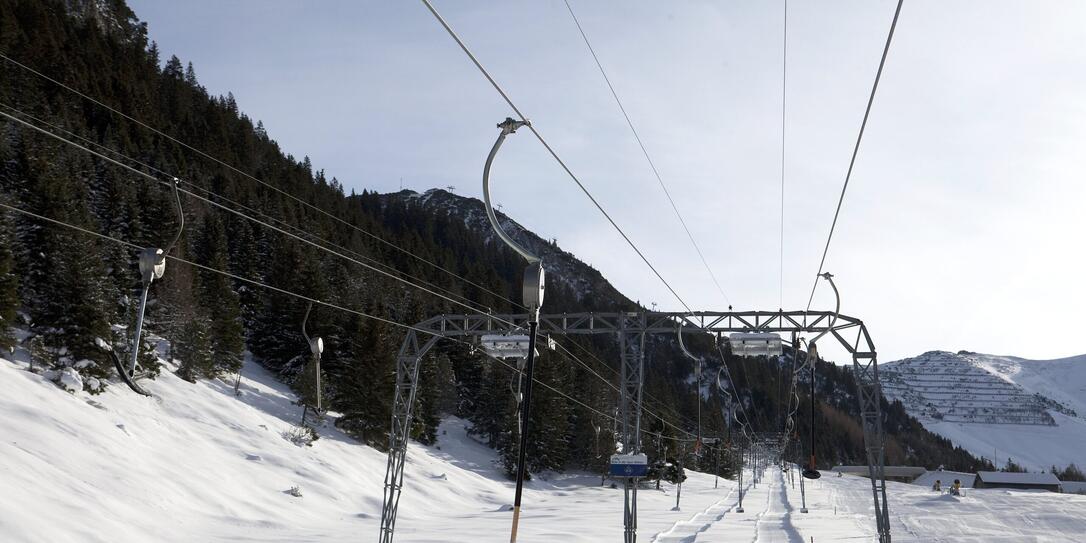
997, 407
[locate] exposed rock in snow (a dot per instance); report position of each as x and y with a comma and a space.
70, 380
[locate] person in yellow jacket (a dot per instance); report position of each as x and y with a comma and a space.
956, 488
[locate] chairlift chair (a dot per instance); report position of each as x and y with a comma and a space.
503, 346
756, 344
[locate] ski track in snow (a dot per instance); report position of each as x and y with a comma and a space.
686, 531
194, 463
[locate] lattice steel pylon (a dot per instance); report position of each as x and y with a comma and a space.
631, 328
631, 340
403, 402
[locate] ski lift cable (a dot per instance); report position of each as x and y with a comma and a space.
222, 272
645, 152
640, 405
236, 170
658, 404
554, 154
296, 295
784, 117
856, 149
534, 274
739, 399
240, 214
697, 379
212, 194
559, 392
292, 294
266, 184
191, 194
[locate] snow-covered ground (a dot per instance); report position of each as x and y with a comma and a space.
194, 463
998, 407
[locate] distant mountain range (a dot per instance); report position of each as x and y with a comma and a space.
997, 407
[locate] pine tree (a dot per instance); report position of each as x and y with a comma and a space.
193, 347
9, 293
68, 299
362, 368
435, 380
218, 298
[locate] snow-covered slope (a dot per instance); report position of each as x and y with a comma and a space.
194, 463
998, 407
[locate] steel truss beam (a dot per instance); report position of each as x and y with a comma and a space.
630, 329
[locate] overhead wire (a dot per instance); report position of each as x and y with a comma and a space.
739, 399
230, 167
471, 56
659, 405
264, 223
297, 295
645, 152
249, 176
240, 214
856, 149
145, 175
212, 194
640, 405
784, 117
553, 153
253, 282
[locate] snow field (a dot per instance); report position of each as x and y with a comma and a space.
194, 463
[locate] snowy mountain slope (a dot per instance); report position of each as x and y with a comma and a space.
194, 463
997, 407
1062, 380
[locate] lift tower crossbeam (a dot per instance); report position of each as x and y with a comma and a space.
631, 328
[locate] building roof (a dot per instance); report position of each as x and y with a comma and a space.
946, 478
1002, 477
890, 471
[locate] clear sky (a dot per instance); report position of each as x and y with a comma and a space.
963, 227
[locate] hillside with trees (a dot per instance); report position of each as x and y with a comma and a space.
65, 289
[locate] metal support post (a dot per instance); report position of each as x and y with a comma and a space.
742, 461
403, 401
866, 370
632, 350
522, 454
802, 495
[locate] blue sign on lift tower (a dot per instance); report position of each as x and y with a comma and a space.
629, 465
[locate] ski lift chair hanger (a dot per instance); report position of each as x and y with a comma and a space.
152, 265
532, 291
316, 347
810, 471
